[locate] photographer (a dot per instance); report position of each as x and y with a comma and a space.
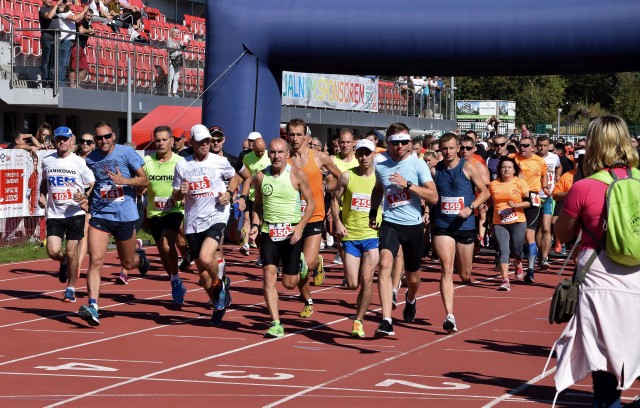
64, 20
79, 62
24, 140
176, 45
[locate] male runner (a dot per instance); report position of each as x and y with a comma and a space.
277, 216
402, 180
255, 161
359, 240
65, 180
554, 171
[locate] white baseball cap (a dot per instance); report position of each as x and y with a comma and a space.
199, 133
366, 144
254, 136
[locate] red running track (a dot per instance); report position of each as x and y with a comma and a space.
148, 352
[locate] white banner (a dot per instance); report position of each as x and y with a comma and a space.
343, 92
19, 183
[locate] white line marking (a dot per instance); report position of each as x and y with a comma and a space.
525, 331
271, 368
475, 351
368, 345
21, 277
105, 359
516, 390
62, 331
200, 337
419, 375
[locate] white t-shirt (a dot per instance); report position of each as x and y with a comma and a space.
63, 23
206, 182
552, 161
64, 177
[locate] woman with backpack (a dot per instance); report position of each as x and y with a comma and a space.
601, 339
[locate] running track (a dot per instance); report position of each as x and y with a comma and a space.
148, 352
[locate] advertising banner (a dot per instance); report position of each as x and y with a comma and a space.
507, 110
19, 183
476, 110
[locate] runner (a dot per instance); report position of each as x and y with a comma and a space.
118, 172
402, 179
534, 171
277, 216
467, 152
199, 181
165, 215
312, 163
254, 161
554, 171
454, 227
360, 242
66, 179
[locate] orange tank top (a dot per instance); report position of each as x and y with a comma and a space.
314, 174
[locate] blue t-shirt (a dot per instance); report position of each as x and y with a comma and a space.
108, 200
399, 205
455, 192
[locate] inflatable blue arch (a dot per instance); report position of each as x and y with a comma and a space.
250, 43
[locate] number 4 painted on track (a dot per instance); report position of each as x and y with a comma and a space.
78, 367
448, 385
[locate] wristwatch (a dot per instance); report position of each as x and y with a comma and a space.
472, 207
409, 184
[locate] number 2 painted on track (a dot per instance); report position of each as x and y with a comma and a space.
447, 385
242, 374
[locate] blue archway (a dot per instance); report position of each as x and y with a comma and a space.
401, 37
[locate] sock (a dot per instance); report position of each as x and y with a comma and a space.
221, 265
533, 251
175, 277
276, 322
410, 301
309, 302
388, 319
93, 303
72, 288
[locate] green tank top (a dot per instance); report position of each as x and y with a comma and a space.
356, 206
280, 201
160, 177
344, 166
255, 164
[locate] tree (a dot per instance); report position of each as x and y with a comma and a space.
626, 100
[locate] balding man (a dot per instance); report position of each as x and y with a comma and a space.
254, 161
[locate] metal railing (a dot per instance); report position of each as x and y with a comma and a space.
401, 98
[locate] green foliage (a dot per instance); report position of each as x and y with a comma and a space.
626, 99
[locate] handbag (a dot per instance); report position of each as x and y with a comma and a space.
177, 61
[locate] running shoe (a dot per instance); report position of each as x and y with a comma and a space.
307, 311
337, 260
177, 292
409, 312
519, 270
330, 241
275, 331
144, 262
544, 264
318, 277
253, 245
394, 300
385, 328
563, 251
62, 272
529, 276
89, 314
227, 288
185, 263
322, 245
216, 317
220, 296
244, 249
122, 279
557, 247
505, 287
69, 296
450, 324
304, 269
357, 330
259, 261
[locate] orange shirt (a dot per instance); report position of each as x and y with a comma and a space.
564, 183
503, 192
314, 174
531, 170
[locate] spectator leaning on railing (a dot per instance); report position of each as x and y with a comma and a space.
175, 45
79, 62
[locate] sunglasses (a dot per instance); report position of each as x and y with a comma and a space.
107, 136
524, 145
399, 142
88, 142
217, 139
177, 139
500, 144
60, 139
436, 150
467, 148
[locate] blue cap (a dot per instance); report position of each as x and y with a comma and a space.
62, 131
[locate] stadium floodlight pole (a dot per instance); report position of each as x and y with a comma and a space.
129, 116
452, 112
559, 112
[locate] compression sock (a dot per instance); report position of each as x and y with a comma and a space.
533, 251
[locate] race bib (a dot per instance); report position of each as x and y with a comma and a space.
397, 197
163, 203
361, 202
62, 196
535, 199
199, 185
280, 232
112, 192
508, 215
303, 207
551, 177
451, 205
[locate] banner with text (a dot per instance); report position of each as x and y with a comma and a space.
19, 183
342, 92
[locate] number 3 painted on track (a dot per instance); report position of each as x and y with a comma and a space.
241, 374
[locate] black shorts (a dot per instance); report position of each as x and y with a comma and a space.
532, 214
121, 231
73, 226
171, 222
216, 231
311, 229
464, 237
272, 253
557, 208
392, 236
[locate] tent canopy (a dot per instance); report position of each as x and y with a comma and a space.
172, 116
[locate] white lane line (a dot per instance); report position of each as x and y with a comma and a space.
521, 387
61, 331
21, 277
271, 368
199, 337
525, 331
474, 351
364, 344
106, 359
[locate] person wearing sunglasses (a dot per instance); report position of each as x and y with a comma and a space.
66, 181
179, 142
534, 171
254, 161
119, 174
402, 182
454, 227
467, 152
